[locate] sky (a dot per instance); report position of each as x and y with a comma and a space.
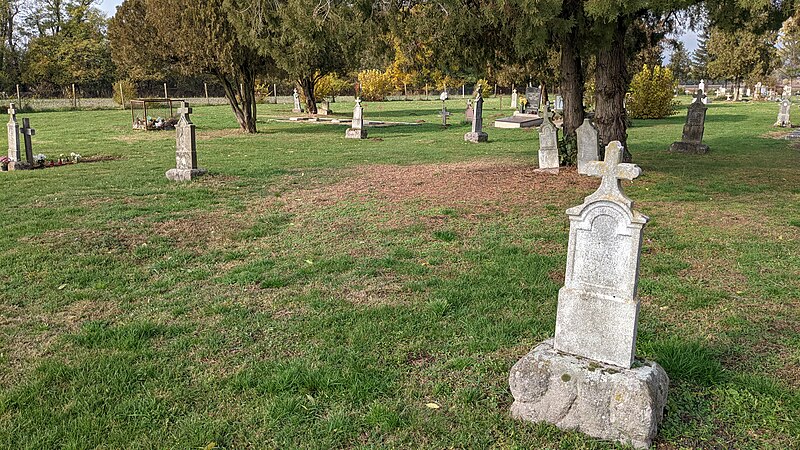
689, 38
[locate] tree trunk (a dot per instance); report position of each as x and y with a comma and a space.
611, 80
241, 97
572, 83
307, 84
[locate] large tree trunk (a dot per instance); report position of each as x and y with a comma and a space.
242, 99
572, 82
611, 81
307, 84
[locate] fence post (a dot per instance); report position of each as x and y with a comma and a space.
166, 95
19, 98
275, 92
121, 96
205, 87
74, 98
426, 91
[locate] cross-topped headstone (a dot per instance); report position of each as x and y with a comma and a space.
356, 130
514, 99
699, 97
783, 114
477, 134
13, 134
185, 148
27, 134
692, 138
548, 144
597, 307
445, 113
296, 97
588, 145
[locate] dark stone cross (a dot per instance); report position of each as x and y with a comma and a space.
27, 133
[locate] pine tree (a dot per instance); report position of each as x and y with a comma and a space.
700, 58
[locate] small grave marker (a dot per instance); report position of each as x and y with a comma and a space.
185, 148
356, 130
783, 114
548, 144
588, 146
477, 134
297, 108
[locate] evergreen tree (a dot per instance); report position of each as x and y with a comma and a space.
700, 57
680, 63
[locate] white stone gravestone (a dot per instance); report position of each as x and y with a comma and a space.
585, 378
548, 144
477, 134
185, 148
783, 114
13, 135
356, 130
588, 146
514, 99
297, 108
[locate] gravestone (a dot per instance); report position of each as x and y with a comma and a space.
469, 113
514, 99
702, 87
534, 97
588, 146
325, 108
783, 114
787, 91
692, 139
297, 108
585, 378
444, 113
356, 130
559, 106
477, 134
27, 134
13, 135
185, 148
548, 144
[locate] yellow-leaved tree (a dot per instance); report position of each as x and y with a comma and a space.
651, 94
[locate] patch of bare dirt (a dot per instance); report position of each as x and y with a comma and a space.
207, 135
479, 186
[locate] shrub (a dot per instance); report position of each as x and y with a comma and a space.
652, 94
486, 88
375, 85
330, 86
128, 90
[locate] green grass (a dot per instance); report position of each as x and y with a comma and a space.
285, 300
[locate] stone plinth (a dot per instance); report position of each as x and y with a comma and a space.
353, 133
185, 174
606, 402
476, 137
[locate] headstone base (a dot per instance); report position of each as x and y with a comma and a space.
324, 112
687, 147
355, 134
19, 165
476, 137
605, 402
783, 124
185, 174
552, 171
297, 111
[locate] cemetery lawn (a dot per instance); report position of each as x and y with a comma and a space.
317, 292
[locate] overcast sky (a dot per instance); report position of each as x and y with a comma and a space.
690, 39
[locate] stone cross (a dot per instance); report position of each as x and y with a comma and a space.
548, 144
13, 134
588, 146
701, 88
585, 378
700, 97
514, 99
356, 130
297, 107
185, 148
783, 114
27, 133
477, 134
443, 97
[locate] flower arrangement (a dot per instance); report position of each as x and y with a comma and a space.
75, 157
39, 159
4, 162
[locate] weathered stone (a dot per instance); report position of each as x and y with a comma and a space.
477, 134
325, 108
356, 130
597, 308
603, 401
692, 139
469, 113
783, 114
548, 145
297, 108
534, 97
702, 88
27, 135
588, 145
185, 148
514, 100
13, 135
